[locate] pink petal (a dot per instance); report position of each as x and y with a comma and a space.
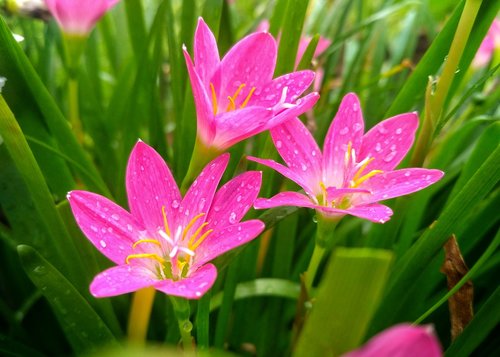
234, 199
347, 126
389, 141
288, 173
192, 287
150, 186
402, 340
373, 212
237, 125
301, 106
110, 228
204, 111
199, 196
206, 54
333, 193
295, 83
299, 150
288, 198
226, 239
121, 279
251, 62
304, 42
398, 183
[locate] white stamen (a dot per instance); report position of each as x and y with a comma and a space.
166, 237
187, 251
173, 252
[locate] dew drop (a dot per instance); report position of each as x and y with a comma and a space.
313, 153
115, 217
399, 131
296, 152
238, 198
279, 144
129, 227
232, 217
142, 168
407, 173
94, 228
378, 147
175, 204
390, 156
344, 131
304, 167
102, 243
382, 130
357, 127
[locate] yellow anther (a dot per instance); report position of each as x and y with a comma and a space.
165, 223
323, 189
190, 224
231, 105
197, 233
247, 99
145, 255
362, 168
154, 241
202, 238
362, 179
232, 99
180, 265
214, 99
348, 152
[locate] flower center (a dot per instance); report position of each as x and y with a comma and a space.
232, 98
171, 256
351, 166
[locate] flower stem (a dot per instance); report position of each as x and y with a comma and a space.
435, 102
200, 157
142, 303
74, 111
182, 312
310, 274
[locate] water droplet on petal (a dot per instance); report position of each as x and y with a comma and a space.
378, 147
357, 127
129, 227
279, 144
390, 156
175, 204
399, 131
238, 198
344, 131
232, 217
407, 173
115, 217
304, 167
102, 243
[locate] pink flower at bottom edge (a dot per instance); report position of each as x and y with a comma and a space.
402, 340
78, 17
167, 241
354, 171
487, 48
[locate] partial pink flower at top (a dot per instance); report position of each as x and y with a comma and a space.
78, 17
402, 340
490, 43
354, 172
167, 241
237, 97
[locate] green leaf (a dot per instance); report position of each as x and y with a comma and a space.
260, 287
11, 348
81, 324
346, 301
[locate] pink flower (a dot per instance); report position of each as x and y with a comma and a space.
166, 241
401, 341
237, 97
355, 171
78, 17
487, 48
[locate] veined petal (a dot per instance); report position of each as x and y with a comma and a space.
398, 183
402, 340
299, 150
251, 62
199, 196
295, 83
110, 228
285, 171
204, 111
288, 198
192, 287
347, 127
150, 186
226, 239
239, 124
389, 141
206, 53
233, 200
121, 279
374, 212
301, 106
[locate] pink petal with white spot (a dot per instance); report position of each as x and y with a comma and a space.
226, 239
237, 125
295, 83
121, 279
206, 54
402, 340
150, 186
398, 183
288, 198
110, 228
199, 196
347, 126
192, 287
388, 142
301, 106
204, 111
374, 212
251, 61
233, 200
291, 174
299, 150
